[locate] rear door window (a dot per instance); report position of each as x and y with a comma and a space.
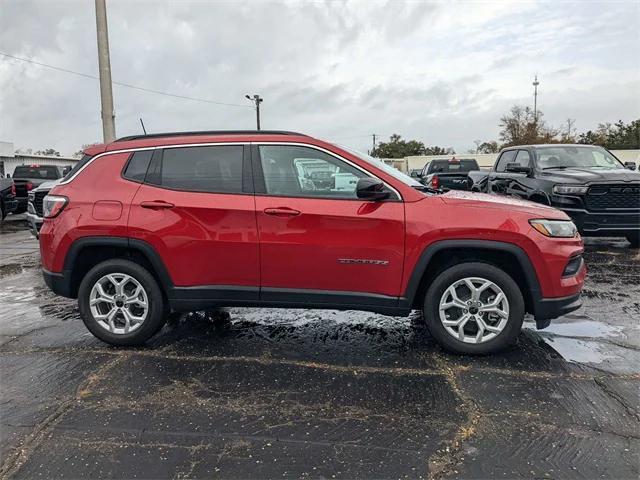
215, 169
138, 165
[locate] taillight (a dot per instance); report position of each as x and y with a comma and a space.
435, 182
29, 186
52, 205
13, 189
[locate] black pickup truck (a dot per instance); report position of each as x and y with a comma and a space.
8, 202
28, 177
448, 173
598, 191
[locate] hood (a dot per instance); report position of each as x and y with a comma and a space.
588, 175
500, 202
48, 185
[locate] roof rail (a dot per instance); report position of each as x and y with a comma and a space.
208, 132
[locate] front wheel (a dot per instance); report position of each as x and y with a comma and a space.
121, 303
474, 308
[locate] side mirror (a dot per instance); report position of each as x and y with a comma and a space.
414, 174
517, 168
630, 165
371, 189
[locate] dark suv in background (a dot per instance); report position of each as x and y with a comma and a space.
598, 192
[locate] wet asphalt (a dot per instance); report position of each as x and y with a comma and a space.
262, 393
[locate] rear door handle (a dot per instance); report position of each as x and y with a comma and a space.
281, 212
156, 205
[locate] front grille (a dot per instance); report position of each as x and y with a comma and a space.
37, 201
614, 197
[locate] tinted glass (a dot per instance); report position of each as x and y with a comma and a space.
83, 161
203, 169
303, 172
444, 166
506, 157
137, 167
522, 158
43, 172
582, 157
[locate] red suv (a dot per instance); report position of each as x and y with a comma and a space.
157, 223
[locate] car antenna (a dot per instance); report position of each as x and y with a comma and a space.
143, 129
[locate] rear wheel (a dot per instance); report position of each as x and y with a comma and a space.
474, 308
120, 303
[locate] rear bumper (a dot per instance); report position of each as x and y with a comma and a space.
546, 309
59, 283
10, 205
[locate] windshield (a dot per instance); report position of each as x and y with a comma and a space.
42, 172
376, 162
583, 157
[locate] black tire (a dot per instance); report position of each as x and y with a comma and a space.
500, 278
155, 316
634, 239
3, 214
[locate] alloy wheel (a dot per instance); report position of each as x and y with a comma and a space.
474, 310
119, 303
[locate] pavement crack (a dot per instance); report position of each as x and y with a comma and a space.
617, 398
443, 462
20, 454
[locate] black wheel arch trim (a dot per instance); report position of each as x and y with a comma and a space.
430, 251
108, 241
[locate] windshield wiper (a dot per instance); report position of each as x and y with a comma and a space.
562, 167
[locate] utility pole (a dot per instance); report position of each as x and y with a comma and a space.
257, 100
535, 98
104, 64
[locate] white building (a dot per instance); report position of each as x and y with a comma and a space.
10, 160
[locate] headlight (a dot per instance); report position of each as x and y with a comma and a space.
555, 228
52, 205
569, 189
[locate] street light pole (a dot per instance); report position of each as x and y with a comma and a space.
104, 65
257, 100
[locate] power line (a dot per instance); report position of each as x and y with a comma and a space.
122, 84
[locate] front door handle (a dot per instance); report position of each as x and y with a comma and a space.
156, 205
281, 212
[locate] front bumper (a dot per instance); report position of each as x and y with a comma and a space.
35, 223
603, 224
546, 309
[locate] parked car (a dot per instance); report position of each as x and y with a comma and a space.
27, 177
448, 173
191, 221
8, 202
34, 205
600, 193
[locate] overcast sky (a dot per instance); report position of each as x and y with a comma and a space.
442, 73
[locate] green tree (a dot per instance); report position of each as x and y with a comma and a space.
396, 147
619, 136
488, 147
521, 127
49, 152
